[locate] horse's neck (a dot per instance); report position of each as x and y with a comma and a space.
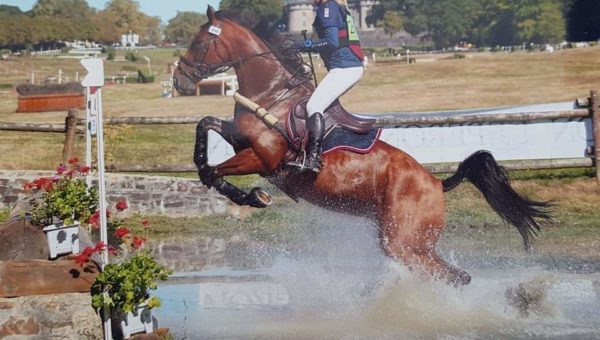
263, 78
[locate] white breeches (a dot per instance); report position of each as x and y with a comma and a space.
335, 84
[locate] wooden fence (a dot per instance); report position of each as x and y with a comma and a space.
586, 108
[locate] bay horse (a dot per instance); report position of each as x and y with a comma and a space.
386, 184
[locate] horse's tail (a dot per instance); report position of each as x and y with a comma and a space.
491, 179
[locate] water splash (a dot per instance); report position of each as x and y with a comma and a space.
340, 285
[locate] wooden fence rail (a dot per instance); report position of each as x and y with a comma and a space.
587, 107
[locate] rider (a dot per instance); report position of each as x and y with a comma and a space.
339, 48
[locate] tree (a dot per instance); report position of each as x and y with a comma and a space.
16, 30
152, 30
120, 17
271, 10
183, 27
10, 10
392, 22
72, 9
540, 21
105, 30
125, 15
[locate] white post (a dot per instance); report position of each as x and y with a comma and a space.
94, 81
60, 76
88, 134
408, 56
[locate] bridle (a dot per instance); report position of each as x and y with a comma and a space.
196, 72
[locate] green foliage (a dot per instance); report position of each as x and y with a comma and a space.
131, 56
128, 284
111, 53
65, 196
271, 10
183, 27
144, 77
54, 20
4, 215
392, 22
484, 22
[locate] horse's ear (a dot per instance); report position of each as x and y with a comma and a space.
210, 13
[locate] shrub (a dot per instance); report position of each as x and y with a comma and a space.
144, 77
131, 56
111, 53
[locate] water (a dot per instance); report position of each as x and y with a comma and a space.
338, 285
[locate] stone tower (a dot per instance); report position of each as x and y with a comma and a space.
301, 13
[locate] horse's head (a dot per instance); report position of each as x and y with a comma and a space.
213, 50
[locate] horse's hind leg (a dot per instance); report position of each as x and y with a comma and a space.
410, 225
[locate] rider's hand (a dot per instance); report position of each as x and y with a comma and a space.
302, 46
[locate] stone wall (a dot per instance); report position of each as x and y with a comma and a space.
63, 316
144, 194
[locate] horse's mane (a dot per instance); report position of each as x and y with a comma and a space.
269, 34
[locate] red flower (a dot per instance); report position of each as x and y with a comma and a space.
82, 259
74, 160
137, 242
122, 205
121, 232
95, 219
44, 183
88, 251
146, 223
61, 169
100, 246
113, 251
85, 169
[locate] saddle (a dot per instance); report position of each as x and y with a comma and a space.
335, 116
342, 130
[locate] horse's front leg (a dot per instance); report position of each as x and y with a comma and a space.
244, 161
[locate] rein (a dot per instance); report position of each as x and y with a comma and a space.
196, 72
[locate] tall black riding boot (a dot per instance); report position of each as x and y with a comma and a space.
315, 125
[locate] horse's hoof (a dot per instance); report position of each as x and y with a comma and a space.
258, 198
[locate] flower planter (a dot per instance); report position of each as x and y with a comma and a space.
62, 239
140, 321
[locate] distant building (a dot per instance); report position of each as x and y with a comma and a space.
301, 14
130, 40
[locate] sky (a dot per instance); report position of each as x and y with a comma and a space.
163, 9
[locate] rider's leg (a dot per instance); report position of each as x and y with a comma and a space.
337, 82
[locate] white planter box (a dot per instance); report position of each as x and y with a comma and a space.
62, 239
140, 321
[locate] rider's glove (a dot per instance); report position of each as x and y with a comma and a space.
303, 46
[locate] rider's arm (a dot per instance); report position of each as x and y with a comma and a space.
330, 41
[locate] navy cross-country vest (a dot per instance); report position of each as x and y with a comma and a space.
348, 36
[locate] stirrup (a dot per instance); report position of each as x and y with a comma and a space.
301, 166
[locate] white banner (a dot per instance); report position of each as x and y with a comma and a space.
563, 138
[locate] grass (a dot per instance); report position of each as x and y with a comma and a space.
435, 82
472, 225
